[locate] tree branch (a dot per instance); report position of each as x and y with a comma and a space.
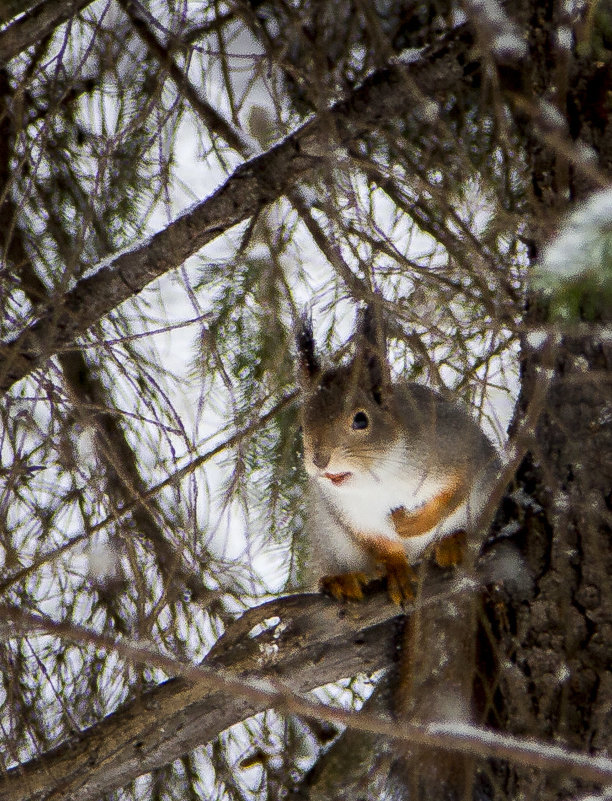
35, 24
254, 184
268, 658
215, 121
315, 642
13, 8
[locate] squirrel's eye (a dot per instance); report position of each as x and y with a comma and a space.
360, 421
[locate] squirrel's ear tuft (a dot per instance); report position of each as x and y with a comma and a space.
371, 350
308, 364
370, 325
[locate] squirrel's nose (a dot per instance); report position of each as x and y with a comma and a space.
320, 458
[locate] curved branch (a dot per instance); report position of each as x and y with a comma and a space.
268, 658
312, 641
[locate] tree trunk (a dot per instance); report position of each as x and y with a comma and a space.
557, 646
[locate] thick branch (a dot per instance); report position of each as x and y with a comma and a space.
309, 640
254, 184
316, 642
12, 8
36, 24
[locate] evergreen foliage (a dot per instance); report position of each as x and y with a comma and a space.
151, 486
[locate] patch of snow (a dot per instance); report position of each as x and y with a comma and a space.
564, 37
563, 673
510, 529
409, 55
102, 561
506, 566
583, 243
551, 115
429, 111
265, 625
526, 501
586, 154
536, 338
509, 45
489, 11
506, 39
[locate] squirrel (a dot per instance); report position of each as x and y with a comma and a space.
395, 469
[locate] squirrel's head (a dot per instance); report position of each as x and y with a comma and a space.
348, 415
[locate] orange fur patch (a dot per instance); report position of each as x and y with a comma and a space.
426, 517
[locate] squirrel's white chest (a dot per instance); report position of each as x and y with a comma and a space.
365, 501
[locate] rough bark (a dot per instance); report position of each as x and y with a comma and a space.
316, 641
298, 642
557, 648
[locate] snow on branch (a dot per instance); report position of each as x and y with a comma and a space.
252, 186
575, 271
268, 658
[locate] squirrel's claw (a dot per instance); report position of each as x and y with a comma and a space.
400, 578
344, 586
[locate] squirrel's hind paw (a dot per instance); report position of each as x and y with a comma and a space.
400, 578
450, 551
344, 586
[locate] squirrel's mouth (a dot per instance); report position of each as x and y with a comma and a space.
337, 478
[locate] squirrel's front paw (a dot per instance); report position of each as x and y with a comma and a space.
344, 586
406, 524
